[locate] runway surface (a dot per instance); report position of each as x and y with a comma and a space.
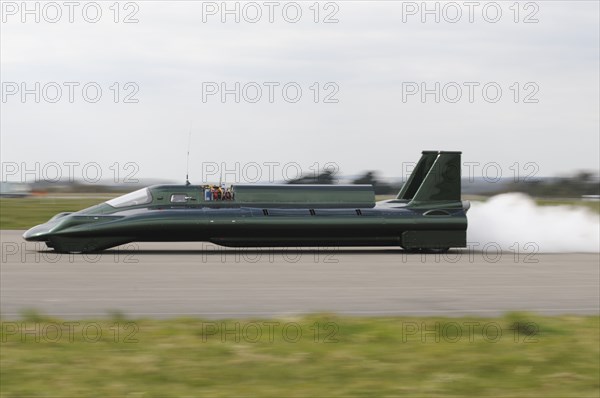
162, 280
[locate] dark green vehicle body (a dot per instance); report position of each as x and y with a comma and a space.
427, 214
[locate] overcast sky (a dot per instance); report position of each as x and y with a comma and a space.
377, 58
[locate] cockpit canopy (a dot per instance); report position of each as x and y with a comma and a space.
139, 197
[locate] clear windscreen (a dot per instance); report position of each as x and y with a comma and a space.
139, 197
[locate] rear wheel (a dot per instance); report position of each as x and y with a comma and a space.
439, 250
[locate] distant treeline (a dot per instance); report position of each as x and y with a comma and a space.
581, 183
573, 186
369, 177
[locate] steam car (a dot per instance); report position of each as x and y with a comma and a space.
427, 214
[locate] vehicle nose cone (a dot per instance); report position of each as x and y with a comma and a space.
37, 233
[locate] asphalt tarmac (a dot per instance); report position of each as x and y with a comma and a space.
162, 280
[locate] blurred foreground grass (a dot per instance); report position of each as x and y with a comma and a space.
518, 355
27, 212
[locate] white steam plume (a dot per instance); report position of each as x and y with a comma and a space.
515, 218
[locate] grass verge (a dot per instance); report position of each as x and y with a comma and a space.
518, 355
17, 213
594, 206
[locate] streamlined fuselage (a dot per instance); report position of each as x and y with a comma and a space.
427, 214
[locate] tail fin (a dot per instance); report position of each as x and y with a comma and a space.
436, 178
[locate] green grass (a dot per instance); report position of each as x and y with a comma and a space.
592, 205
535, 356
28, 212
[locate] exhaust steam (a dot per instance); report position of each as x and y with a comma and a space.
515, 218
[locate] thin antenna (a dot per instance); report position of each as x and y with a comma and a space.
187, 165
